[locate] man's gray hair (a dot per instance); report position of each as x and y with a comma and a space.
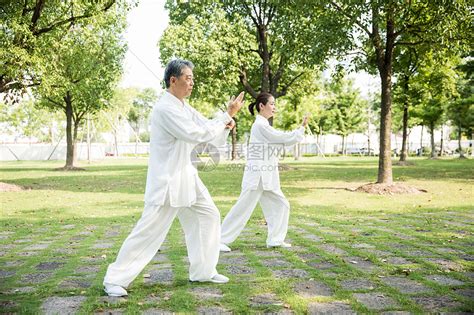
174, 68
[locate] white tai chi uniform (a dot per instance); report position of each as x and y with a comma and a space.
261, 183
173, 188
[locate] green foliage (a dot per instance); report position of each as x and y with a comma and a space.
213, 44
141, 108
85, 64
24, 119
434, 87
346, 108
29, 26
263, 46
461, 110
306, 96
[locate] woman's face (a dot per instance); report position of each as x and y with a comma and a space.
268, 110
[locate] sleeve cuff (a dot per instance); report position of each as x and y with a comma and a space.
225, 118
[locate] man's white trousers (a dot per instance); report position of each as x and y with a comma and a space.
276, 210
201, 225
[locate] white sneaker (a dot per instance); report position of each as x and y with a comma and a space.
224, 248
114, 290
282, 245
219, 279
216, 279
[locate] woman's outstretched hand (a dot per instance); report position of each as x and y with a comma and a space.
305, 120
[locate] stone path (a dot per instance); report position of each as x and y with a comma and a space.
328, 271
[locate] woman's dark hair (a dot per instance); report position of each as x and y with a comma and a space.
261, 98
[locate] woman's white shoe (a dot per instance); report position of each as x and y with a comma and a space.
282, 245
115, 290
224, 248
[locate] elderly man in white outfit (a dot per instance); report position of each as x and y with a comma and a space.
173, 187
261, 180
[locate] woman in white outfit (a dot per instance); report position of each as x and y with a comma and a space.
261, 180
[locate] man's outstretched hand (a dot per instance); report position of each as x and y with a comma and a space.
234, 104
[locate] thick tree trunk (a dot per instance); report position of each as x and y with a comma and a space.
265, 55
70, 151
433, 149
384, 56
404, 153
385, 154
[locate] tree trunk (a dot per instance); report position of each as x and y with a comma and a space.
461, 153
88, 140
404, 153
234, 141
116, 143
385, 154
74, 138
421, 140
296, 152
70, 151
368, 131
384, 56
368, 145
441, 149
265, 55
343, 149
433, 149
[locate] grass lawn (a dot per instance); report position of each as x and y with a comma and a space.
351, 251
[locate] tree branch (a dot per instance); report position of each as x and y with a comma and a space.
402, 43
284, 90
350, 17
249, 12
25, 8
37, 13
245, 83
276, 78
70, 20
56, 103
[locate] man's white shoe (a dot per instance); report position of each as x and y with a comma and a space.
114, 290
282, 245
224, 248
219, 279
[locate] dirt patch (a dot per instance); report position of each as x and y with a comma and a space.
10, 187
385, 189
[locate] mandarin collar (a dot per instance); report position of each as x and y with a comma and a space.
174, 99
262, 119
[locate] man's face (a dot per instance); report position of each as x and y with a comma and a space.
183, 85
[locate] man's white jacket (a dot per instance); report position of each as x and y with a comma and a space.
176, 128
263, 152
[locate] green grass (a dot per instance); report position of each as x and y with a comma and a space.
75, 210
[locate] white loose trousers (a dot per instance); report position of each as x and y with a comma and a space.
276, 210
201, 225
